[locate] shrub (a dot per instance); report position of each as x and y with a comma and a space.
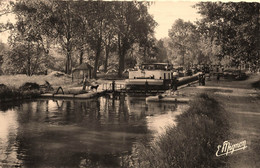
29, 86
11, 93
256, 84
192, 143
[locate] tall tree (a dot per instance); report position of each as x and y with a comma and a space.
24, 56
64, 23
5, 10
184, 39
33, 25
3, 51
130, 17
97, 21
235, 27
28, 36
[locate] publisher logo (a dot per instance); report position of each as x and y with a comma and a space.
229, 148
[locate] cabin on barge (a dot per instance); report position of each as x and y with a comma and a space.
153, 76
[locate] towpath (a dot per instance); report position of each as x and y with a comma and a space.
242, 103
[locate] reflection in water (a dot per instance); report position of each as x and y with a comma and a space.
8, 133
75, 133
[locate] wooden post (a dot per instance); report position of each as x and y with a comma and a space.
113, 86
164, 84
146, 86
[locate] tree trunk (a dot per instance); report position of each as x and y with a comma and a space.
119, 53
28, 61
121, 61
37, 59
68, 42
81, 56
67, 71
106, 59
183, 58
145, 53
68, 58
97, 57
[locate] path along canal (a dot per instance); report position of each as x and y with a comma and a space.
75, 133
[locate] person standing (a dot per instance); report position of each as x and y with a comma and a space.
203, 78
199, 79
85, 80
218, 77
174, 83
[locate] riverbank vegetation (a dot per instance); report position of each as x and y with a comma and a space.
12, 93
17, 81
256, 84
191, 143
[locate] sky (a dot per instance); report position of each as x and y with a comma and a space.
166, 12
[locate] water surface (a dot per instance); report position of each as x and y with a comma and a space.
78, 133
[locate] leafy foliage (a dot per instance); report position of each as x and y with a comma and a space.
184, 40
84, 29
234, 27
24, 57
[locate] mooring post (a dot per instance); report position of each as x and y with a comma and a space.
113, 86
176, 84
146, 86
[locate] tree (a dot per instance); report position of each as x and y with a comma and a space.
54, 23
33, 31
234, 27
28, 40
97, 19
184, 39
145, 28
64, 21
132, 20
162, 52
78, 27
24, 56
5, 10
3, 51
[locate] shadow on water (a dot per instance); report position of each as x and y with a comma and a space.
78, 133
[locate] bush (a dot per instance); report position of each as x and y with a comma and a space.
10, 93
192, 143
29, 86
256, 84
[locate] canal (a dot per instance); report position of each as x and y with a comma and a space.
79, 133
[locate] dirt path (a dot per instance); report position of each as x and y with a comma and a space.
244, 117
242, 103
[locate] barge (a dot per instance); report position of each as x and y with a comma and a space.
153, 76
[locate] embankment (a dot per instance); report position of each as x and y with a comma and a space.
191, 143
12, 94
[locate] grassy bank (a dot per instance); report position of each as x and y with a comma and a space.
17, 81
192, 143
12, 85
11, 94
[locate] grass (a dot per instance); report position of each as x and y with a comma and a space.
64, 81
192, 143
251, 82
18, 80
13, 84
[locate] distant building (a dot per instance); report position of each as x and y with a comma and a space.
82, 70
